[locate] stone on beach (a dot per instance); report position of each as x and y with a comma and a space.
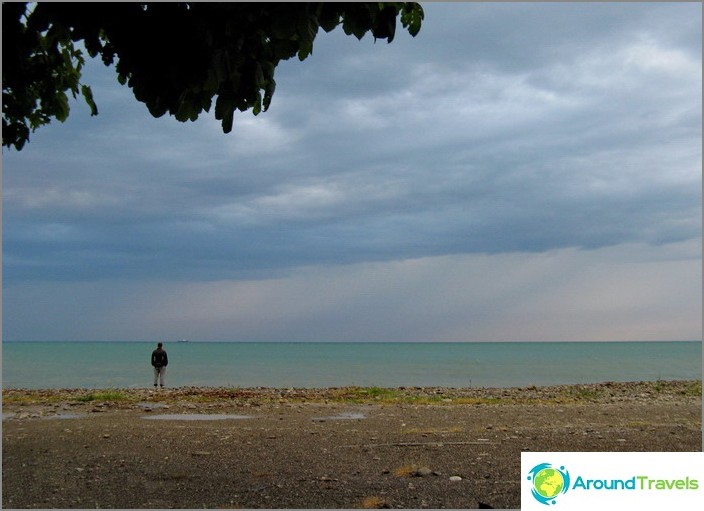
423, 472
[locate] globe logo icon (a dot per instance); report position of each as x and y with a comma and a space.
548, 482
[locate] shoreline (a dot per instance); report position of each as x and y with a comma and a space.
599, 390
320, 448
118, 398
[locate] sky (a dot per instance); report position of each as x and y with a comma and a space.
517, 171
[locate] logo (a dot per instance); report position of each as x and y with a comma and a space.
548, 482
616, 480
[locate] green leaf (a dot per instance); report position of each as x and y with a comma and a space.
62, 108
88, 96
269, 93
227, 121
257, 107
206, 103
385, 24
329, 17
356, 23
412, 18
223, 106
304, 50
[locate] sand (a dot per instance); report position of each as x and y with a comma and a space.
322, 448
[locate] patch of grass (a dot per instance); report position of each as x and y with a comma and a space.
35, 397
366, 395
694, 389
419, 400
658, 386
579, 393
103, 396
406, 470
377, 392
374, 502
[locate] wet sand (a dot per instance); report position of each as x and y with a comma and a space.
319, 448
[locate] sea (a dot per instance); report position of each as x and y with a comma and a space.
105, 365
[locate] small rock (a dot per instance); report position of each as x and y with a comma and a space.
455, 478
423, 472
106, 435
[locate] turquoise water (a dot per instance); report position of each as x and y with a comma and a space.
126, 364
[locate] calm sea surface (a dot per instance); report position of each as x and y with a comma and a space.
127, 364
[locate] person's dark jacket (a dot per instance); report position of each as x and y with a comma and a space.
159, 358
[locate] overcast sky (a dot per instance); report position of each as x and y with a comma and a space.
515, 172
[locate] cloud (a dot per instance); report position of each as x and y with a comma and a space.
605, 294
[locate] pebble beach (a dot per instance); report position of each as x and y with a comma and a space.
419, 447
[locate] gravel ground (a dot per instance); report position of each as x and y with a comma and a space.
319, 448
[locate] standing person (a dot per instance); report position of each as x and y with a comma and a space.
159, 361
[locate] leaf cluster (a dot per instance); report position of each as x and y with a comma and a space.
178, 58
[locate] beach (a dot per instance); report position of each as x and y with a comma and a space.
418, 447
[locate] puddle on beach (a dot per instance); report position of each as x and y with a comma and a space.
152, 405
341, 417
24, 415
64, 416
195, 417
